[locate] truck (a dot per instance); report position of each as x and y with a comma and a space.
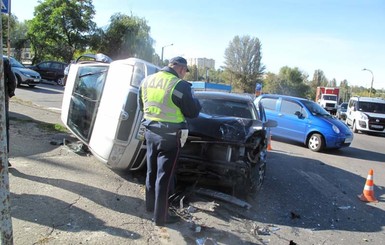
327, 98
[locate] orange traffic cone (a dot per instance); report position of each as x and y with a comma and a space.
368, 193
269, 148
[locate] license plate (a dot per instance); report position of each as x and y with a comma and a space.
377, 126
36, 80
140, 134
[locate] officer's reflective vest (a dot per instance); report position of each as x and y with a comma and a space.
157, 98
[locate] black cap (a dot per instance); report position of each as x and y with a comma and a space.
179, 61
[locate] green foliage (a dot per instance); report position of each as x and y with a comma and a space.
203, 74
60, 27
17, 34
126, 36
12, 24
243, 62
289, 81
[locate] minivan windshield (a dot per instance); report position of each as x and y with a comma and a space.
315, 108
371, 107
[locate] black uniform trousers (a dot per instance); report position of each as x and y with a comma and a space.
162, 155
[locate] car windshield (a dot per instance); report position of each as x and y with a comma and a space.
221, 107
315, 108
15, 63
344, 106
330, 97
371, 107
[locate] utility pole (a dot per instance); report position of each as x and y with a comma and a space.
6, 234
371, 85
161, 57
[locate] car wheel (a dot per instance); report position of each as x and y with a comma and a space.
315, 142
258, 173
354, 127
60, 81
257, 160
18, 80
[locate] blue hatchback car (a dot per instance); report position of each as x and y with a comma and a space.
305, 121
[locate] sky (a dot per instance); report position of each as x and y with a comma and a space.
339, 37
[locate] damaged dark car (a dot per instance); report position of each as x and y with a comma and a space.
227, 144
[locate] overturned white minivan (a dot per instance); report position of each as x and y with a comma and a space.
106, 118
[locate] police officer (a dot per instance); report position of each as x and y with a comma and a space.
165, 99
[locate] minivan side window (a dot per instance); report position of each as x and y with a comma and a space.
291, 107
269, 103
352, 104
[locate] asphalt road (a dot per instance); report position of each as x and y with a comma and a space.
305, 194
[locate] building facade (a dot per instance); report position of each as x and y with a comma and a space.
201, 63
26, 54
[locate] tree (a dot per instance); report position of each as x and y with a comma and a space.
243, 61
345, 91
60, 27
319, 80
289, 81
127, 36
4, 22
19, 39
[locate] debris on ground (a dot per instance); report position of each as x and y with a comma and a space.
205, 241
223, 197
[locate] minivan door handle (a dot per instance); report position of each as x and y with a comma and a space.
123, 115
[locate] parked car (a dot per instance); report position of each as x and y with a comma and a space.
366, 114
51, 70
341, 111
226, 144
305, 121
23, 74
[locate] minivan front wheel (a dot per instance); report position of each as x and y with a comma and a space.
315, 142
354, 127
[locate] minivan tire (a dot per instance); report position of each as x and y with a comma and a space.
354, 127
315, 142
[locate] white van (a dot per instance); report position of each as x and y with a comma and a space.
366, 114
107, 118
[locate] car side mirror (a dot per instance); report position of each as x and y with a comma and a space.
298, 114
271, 123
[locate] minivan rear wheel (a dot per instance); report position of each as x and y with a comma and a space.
315, 142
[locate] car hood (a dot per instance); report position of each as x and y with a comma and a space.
341, 126
375, 115
228, 129
26, 71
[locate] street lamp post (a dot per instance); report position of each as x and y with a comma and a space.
371, 85
161, 57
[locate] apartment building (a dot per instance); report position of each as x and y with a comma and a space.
201, 63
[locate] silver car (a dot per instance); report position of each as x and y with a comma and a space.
341, 111
24, 75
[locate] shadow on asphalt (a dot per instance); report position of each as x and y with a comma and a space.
57, 214
56, 89
42, 136
345, 152
306, 193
